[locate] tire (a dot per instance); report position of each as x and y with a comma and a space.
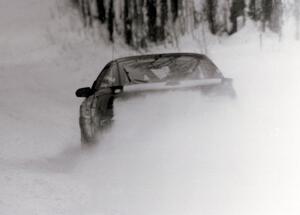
87, 122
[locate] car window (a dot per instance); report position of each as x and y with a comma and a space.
162, 72
207, 70
108, 77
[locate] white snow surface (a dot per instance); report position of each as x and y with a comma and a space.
172, 153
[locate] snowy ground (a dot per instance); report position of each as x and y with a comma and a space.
175, 153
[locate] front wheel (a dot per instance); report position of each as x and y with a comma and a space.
87, 121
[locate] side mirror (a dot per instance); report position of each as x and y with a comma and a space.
84, 92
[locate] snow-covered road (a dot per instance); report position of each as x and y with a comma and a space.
175, 153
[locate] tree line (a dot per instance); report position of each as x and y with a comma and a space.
142, 22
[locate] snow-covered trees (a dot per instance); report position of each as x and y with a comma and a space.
141, 22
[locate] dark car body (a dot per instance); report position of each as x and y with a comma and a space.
146, 73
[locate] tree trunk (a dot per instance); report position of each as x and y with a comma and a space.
110, 24
163, 20
211, 6
128, 22
174, 9
152, 16
101, 10
236, 10
267, 7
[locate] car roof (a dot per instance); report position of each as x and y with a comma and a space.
178, 54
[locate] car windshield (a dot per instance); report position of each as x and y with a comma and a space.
168, 69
